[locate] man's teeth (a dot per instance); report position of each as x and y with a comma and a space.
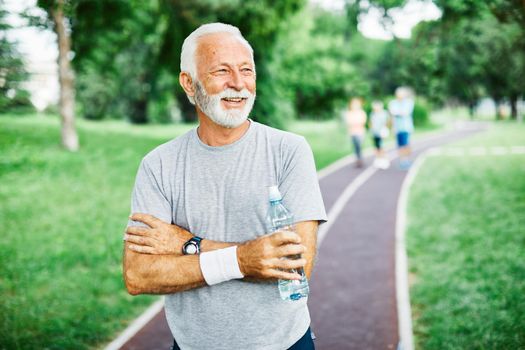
233, 99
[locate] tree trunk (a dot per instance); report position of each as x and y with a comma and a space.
471, 109
514, 107
66, 78
497, 103
139, 111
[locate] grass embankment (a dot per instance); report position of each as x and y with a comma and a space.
466, 247
62, 217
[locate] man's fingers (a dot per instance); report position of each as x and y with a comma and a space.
137, 230
140, 240
141, 249
282, 237
289, 249
147, 219
284, 275
288, 264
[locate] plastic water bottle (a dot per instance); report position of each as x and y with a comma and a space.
280, 218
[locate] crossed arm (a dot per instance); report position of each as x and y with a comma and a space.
154, 264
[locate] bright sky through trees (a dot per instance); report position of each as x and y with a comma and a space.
404, 18
40, 51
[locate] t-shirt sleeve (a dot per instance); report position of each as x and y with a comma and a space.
299, 184
148, 196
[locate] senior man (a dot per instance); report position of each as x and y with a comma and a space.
199, 234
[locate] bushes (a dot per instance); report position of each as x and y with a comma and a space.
421, 113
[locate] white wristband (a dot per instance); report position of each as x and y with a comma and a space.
220, 265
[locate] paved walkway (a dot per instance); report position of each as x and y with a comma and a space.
353, 294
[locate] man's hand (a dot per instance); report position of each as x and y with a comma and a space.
159, 238
265, 256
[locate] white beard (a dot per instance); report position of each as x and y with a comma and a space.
211, 106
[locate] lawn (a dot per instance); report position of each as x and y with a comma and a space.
466, 247
63, 216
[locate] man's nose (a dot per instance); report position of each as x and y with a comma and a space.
236, 82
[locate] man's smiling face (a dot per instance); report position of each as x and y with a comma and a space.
225, 90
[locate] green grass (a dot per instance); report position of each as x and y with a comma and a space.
328, 140
62, 217
466, 247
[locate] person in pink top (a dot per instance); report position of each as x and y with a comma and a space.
355, 120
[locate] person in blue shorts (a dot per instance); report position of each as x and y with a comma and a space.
401, 109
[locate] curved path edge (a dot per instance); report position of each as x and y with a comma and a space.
404, 311
136, 325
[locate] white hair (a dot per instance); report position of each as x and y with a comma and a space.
404, 92
189, 47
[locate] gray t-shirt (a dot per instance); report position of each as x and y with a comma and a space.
220, 193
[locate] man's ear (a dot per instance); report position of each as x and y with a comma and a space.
187, 83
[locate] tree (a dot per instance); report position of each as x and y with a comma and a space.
117, 48
477, 48
12, 70
501, 41
504, 72
463, 59
66, 77
57, 19
130, 67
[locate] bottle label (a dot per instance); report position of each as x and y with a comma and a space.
282, 224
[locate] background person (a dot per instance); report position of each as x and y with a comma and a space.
199, 232
401, 109
379, 129
355, 120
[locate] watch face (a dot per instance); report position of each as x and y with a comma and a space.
190, 248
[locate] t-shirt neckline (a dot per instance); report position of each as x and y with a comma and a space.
228, 146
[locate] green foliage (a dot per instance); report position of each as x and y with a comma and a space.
96, 93
421, 114
137, 52
465, 247
318, 70
476, 49
505, 68
119, 74
309, 61
12, 71
482, 56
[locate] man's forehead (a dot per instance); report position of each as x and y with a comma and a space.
214, 47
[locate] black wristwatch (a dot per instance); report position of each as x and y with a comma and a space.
192, 246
